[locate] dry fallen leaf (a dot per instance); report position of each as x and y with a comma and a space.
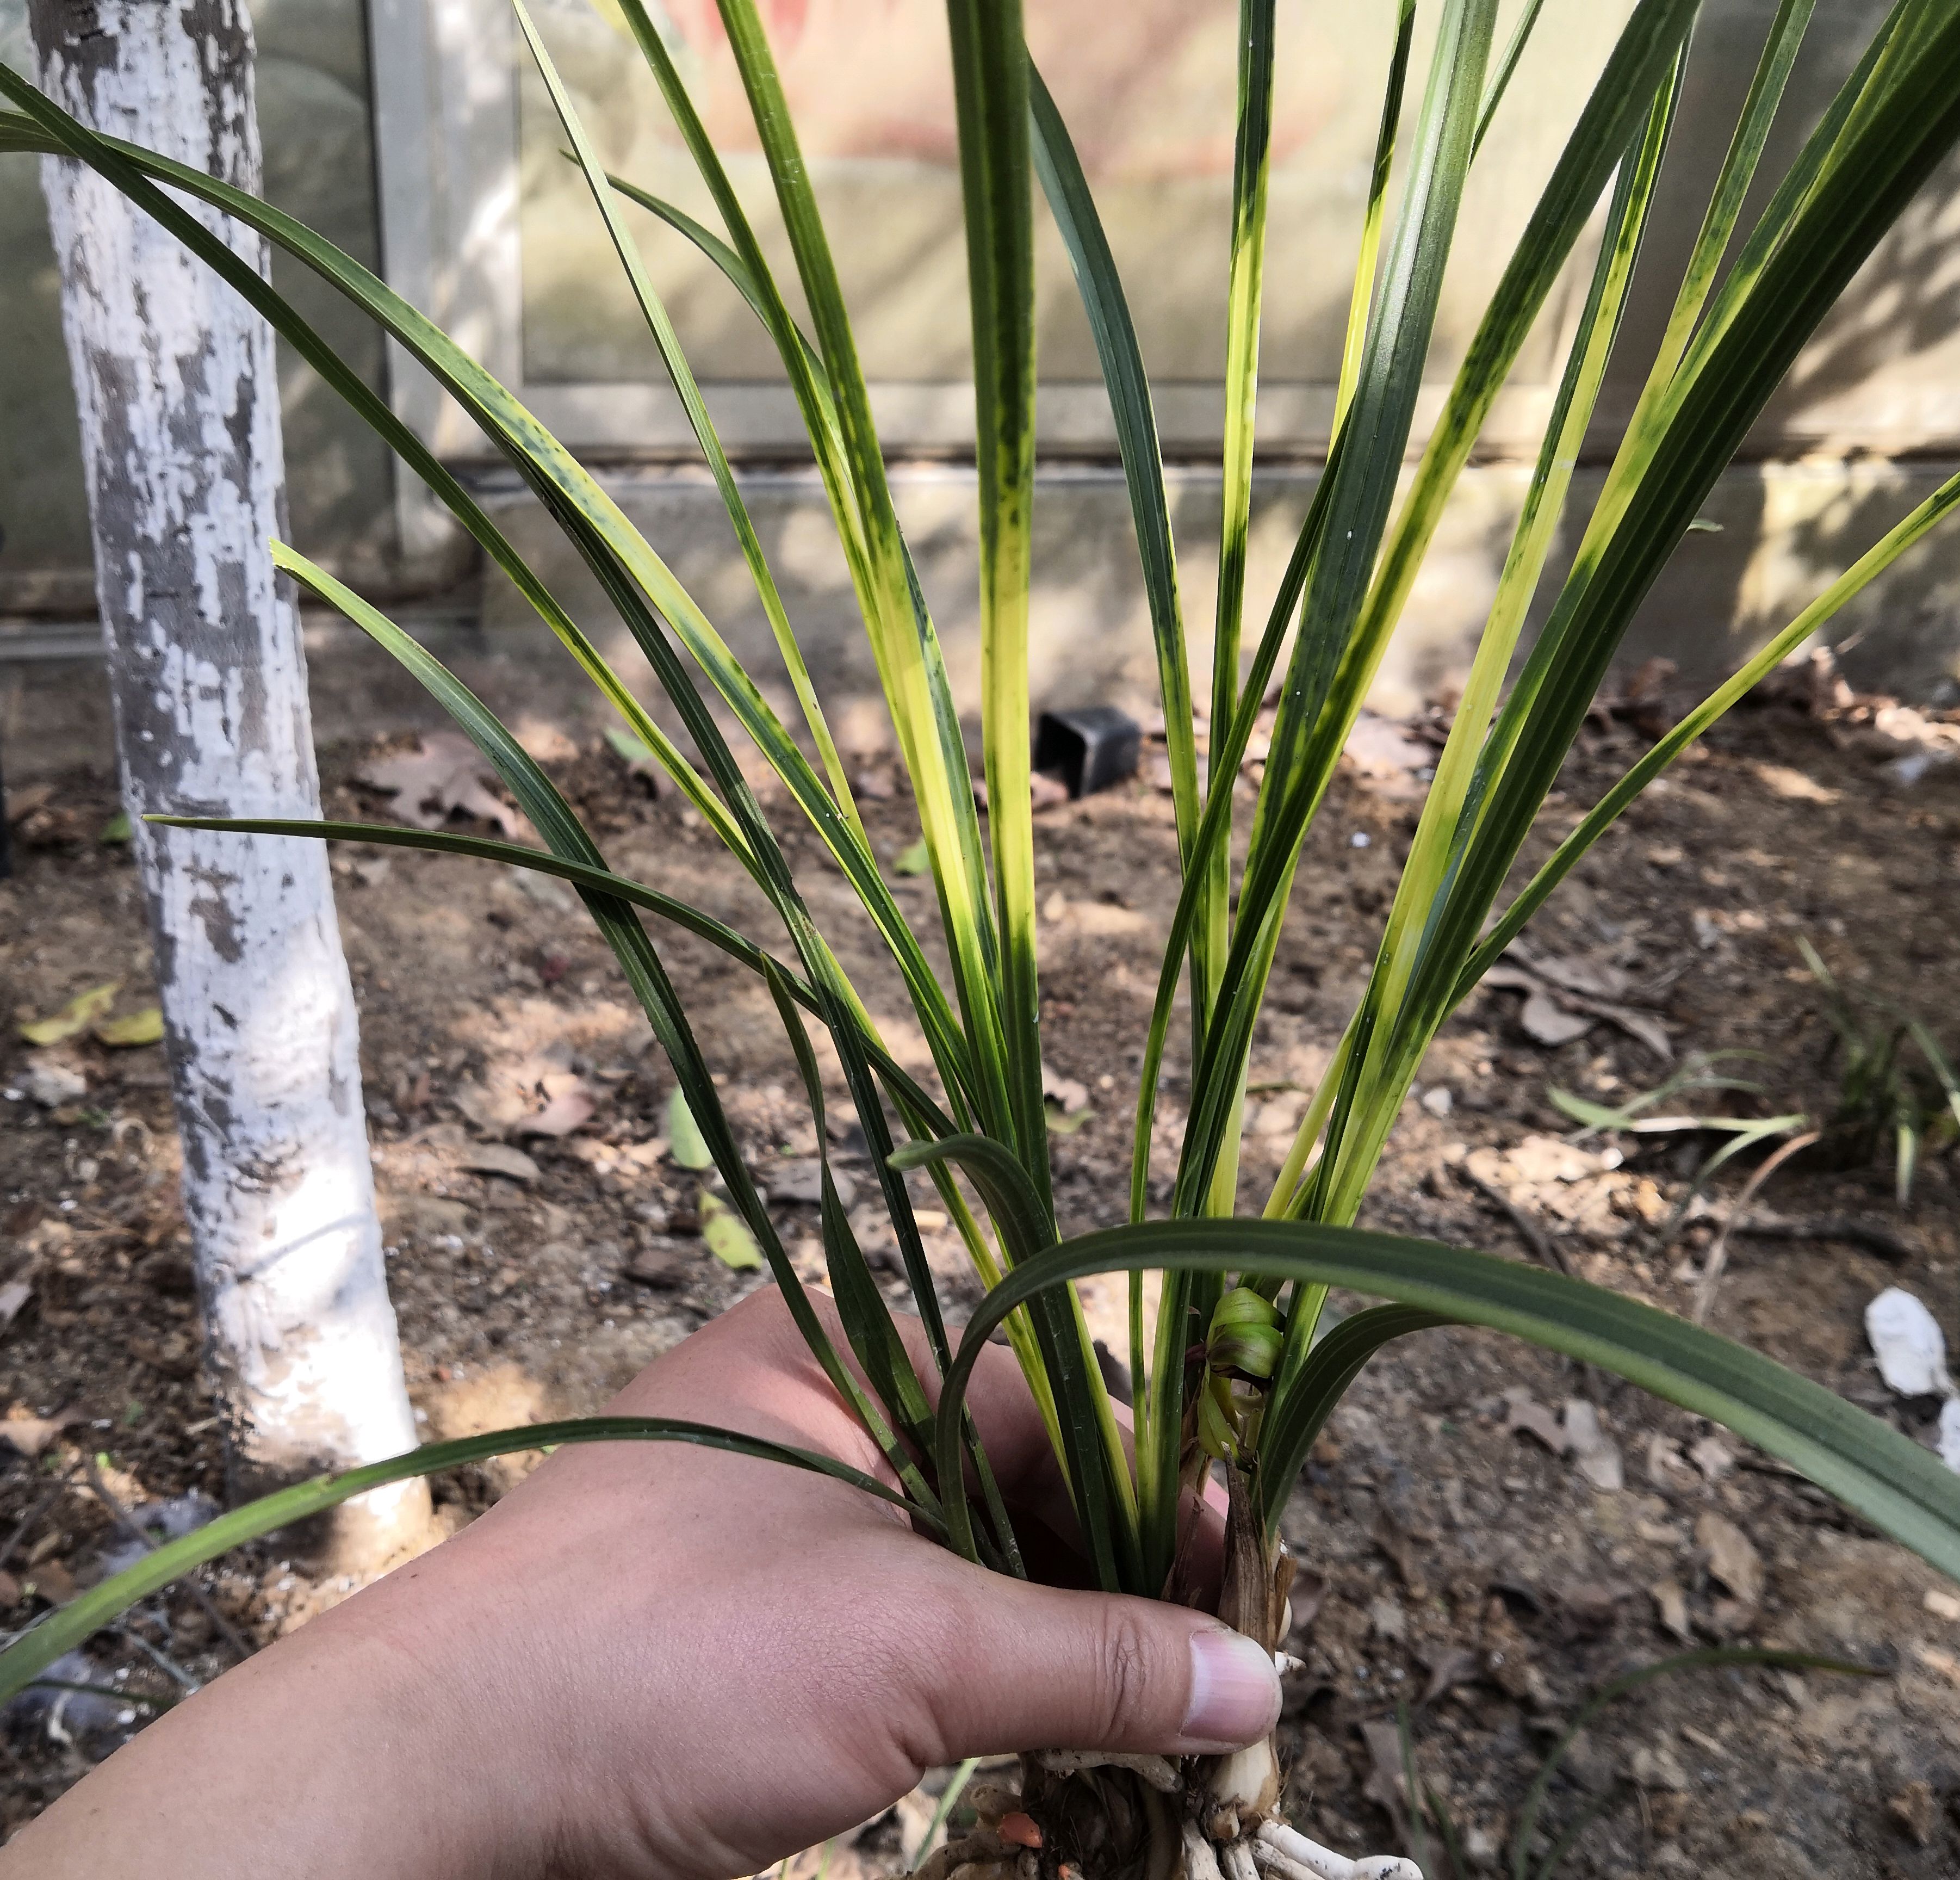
1305, 1598
29, 1435
146, 1027
1642, 700
1915, 1810
539, 1095
1535, 1161
1456, 1666
913, 1813
1591, 1606
1524, 1412
1657, 1766
22, 803
1793, 784
1561, 989
1403, 1548
1068, 1091
1732, 1558
499, 1158
1663, 1460
444, 774
1387, 1785
1714, 1458
51, 1084
570, 1102
1671, 1607
1589, 976
1549, 1021
75, 1017
1932, 1658
1596, 1453
13, 1297
53, 1582
1379, 747
493, 1113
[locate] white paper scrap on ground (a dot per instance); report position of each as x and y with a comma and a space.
1949, 1433
1911, 1350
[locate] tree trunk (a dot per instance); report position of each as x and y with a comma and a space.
176, 381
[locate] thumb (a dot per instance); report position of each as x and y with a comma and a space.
1046, 1669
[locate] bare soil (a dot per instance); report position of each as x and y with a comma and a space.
1452, 1559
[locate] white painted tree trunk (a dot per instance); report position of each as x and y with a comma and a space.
178, 392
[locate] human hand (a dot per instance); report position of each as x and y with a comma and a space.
653, 1659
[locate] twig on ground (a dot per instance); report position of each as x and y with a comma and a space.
40, 1507
1541, 1243
100, 1690
161, 1659
1598, 1384
226, 1630
1869, 1234
1718, 1254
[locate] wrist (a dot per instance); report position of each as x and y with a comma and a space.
445, 1755
353, 1746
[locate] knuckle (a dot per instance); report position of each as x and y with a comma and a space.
1132, 1674
922, 1666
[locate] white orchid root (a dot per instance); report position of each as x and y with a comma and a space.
1083, 1814
1285, 1852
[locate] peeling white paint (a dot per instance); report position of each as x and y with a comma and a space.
175, 383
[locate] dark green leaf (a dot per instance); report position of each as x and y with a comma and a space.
61, 1631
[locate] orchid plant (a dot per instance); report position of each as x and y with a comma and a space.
1241, 1365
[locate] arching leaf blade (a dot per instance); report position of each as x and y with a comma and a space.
904, 1088
1868, 566
34, 1650
1122, 360
1902, 1489
681, 375
1292, 1425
